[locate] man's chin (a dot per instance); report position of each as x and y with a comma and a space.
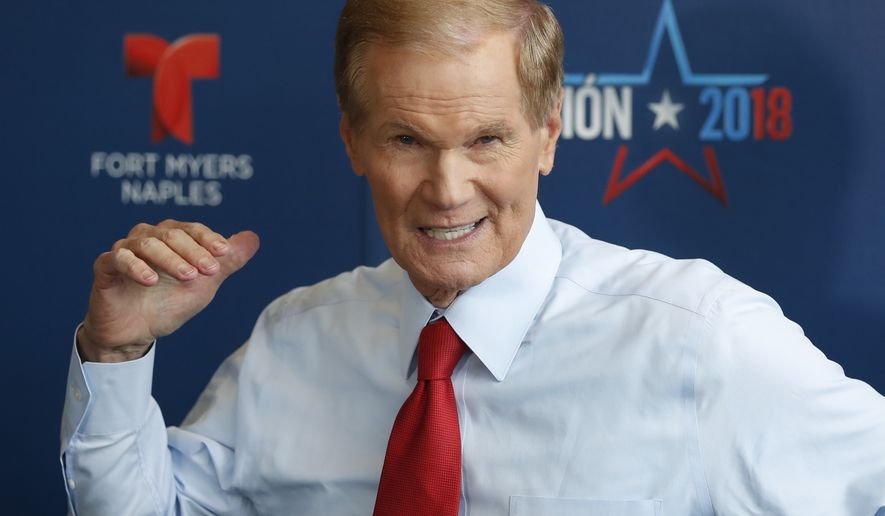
444, 284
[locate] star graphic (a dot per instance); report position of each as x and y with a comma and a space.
665, 111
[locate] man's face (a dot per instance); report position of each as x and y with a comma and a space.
451, 160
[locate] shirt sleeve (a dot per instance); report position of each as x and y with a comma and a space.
782, 430
118, 457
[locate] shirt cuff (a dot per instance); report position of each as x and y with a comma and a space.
105, 398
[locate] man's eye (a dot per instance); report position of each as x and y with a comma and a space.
486, 139
405, 139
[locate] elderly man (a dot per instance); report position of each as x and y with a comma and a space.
500, 363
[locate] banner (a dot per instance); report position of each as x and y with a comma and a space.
745, 133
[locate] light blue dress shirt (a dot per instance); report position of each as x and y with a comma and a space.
602, 381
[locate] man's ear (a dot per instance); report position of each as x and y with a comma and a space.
550, 133
348, 136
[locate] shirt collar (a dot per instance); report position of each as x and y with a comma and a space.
494, 316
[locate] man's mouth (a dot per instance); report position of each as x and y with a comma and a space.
451, 233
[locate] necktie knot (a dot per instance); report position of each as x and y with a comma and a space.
439, 349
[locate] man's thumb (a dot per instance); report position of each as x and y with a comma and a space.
243, 247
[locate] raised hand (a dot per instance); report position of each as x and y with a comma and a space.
152, 282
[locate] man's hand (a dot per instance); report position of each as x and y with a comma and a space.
152, 282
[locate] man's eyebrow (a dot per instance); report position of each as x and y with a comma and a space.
405, 126
497, 128
402, 126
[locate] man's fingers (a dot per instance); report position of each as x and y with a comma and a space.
186, 247
156, 252
122, 261
183, 250
205, 237
243, 247
139, 229
213, 242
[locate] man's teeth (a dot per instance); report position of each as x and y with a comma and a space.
449, 233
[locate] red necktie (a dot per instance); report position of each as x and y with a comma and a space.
422, 468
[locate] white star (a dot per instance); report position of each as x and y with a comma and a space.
665, 111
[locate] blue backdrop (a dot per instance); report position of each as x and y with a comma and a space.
747, 133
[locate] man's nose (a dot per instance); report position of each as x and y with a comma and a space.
450, 181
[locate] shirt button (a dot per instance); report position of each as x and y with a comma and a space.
72, 484
77, 395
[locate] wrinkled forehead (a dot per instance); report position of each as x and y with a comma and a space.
413, 66
405, 76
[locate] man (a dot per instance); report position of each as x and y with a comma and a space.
578, 377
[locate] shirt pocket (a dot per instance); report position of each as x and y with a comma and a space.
536, 506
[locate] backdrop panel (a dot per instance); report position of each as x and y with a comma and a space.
747, 133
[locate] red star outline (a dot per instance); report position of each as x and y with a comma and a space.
617, 186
